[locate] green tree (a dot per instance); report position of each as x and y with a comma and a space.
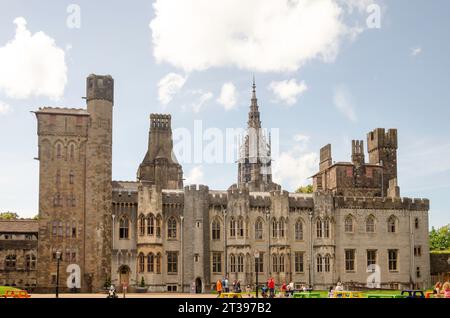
142, 282
8, 216
305, 189
440, 238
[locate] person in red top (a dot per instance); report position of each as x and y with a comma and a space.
271, 285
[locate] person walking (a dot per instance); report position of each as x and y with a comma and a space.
284, 289
219, 287
271, 285
238, 287
226, 286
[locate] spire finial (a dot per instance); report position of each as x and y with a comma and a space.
254, 85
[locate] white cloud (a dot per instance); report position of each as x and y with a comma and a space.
343, 101
195, 176
32, 64
228, 96
4, 108
416, 51
258, 35
170, 85
288, 91
293, 168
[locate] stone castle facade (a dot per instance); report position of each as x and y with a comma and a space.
354, 228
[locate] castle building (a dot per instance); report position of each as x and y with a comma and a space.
354, 228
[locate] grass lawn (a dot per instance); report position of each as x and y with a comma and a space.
3, 289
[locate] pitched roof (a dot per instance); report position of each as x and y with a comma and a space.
19, 226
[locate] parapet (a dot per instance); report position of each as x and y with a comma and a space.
100, 87
382, 203
379, 138
160, 121
301, 202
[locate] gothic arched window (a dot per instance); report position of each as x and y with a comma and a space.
299, 230
259, 230
172, 228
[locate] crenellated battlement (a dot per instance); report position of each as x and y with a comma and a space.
173, 197
382, 203
160, 121
301, 202
260, 201
196, 188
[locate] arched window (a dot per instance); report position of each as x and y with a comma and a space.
158, 226
54, 228
299, 230
259, 230
151, 224
274, 263
240, 227
326, 228
370, 224
60, 229
232, 263
150, 263
215, 228
416, 223
281, 264
281, 228
274, 228
158, 262
392, 224
124, 226
348, 224
319, 227
232, 227
172, 228
71, 177
240, 263
319, 263
327, 263
141, 263
141, 225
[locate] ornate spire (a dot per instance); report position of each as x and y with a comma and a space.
253, 116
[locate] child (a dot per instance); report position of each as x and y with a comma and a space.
446, 290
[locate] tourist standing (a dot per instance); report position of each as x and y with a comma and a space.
271, 285
219, 287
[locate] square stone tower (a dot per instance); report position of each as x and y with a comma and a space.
75, 159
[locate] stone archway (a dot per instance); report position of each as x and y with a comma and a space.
124, 275
198, 285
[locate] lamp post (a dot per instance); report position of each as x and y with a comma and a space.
256, 254
224, 212
268, 244
182, 254
58, 258
310, 246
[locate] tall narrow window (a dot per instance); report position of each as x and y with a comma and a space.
370, 224
232, 227
74, 229
158, 263
319, 263
392, 224
326, 228
172, 228
348, 224
54, 228
58, 151
416, 223
141, 263
274, 228
150, 224
124, 225
158, 226
274, 263
350, 260
141, 225
259, 230
240, 263
299, 230
71, 177
172, 262
58, 177
150, 263
217, 262
215, 229
232, 263
60, 229
281, 264
240, 227
281, 228
72, 152
327, 264
319, 228
259, 263
393, 255
299, 263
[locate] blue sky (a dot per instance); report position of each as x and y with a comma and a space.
322, 77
